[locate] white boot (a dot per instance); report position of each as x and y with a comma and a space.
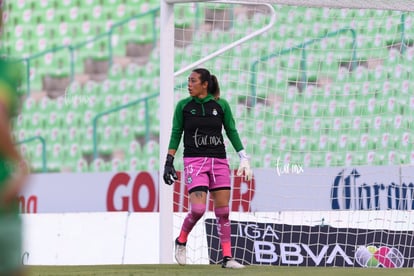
231, 263
180, 252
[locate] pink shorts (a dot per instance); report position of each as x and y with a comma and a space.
209, 172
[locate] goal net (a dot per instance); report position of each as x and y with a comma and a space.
323, 101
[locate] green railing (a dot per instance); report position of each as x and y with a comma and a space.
118, 108
303, 62
403, 41
74, 47
42, 140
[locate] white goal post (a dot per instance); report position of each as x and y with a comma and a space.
359, 177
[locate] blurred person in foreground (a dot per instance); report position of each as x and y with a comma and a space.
13, 170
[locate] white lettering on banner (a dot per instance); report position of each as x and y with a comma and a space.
338, 251
291, 256
288, 168
253, 231
291, 253
263, 249
270, 232
316, 259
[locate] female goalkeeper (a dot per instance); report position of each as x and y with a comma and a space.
201, 117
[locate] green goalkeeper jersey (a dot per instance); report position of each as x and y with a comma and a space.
202, 121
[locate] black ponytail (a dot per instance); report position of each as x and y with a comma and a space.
213, 87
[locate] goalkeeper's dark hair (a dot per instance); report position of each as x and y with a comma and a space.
213, 87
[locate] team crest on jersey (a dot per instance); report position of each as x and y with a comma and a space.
215, 112
189, 179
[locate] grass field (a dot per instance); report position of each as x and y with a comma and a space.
210, 270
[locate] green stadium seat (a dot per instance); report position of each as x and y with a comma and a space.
133, 149
345, 143
29, 104
151, 148
284, 143
139, 117
277, 127
39, 131
86, 136
328, 159
125, 135
404, 141
36, 120
54, 119
21, 134
399, 72
333, 108
360, 74
106, 139
133, 164
371, 158
72, 118
116, 165
389, 158
72, 136
385, 141
322, 142
336, 159
87, 117
134, 71
267, 161
372, 107
366, 142
352, 108
54, 135
54, 157
399, 123
377, 126
80, 166
151, 164
115, 72
72, 154
20, 122
107, 103
24, 151
98, 165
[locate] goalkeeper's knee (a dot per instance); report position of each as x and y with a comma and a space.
222, 213
197, 211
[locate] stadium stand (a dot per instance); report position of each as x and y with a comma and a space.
62, 110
